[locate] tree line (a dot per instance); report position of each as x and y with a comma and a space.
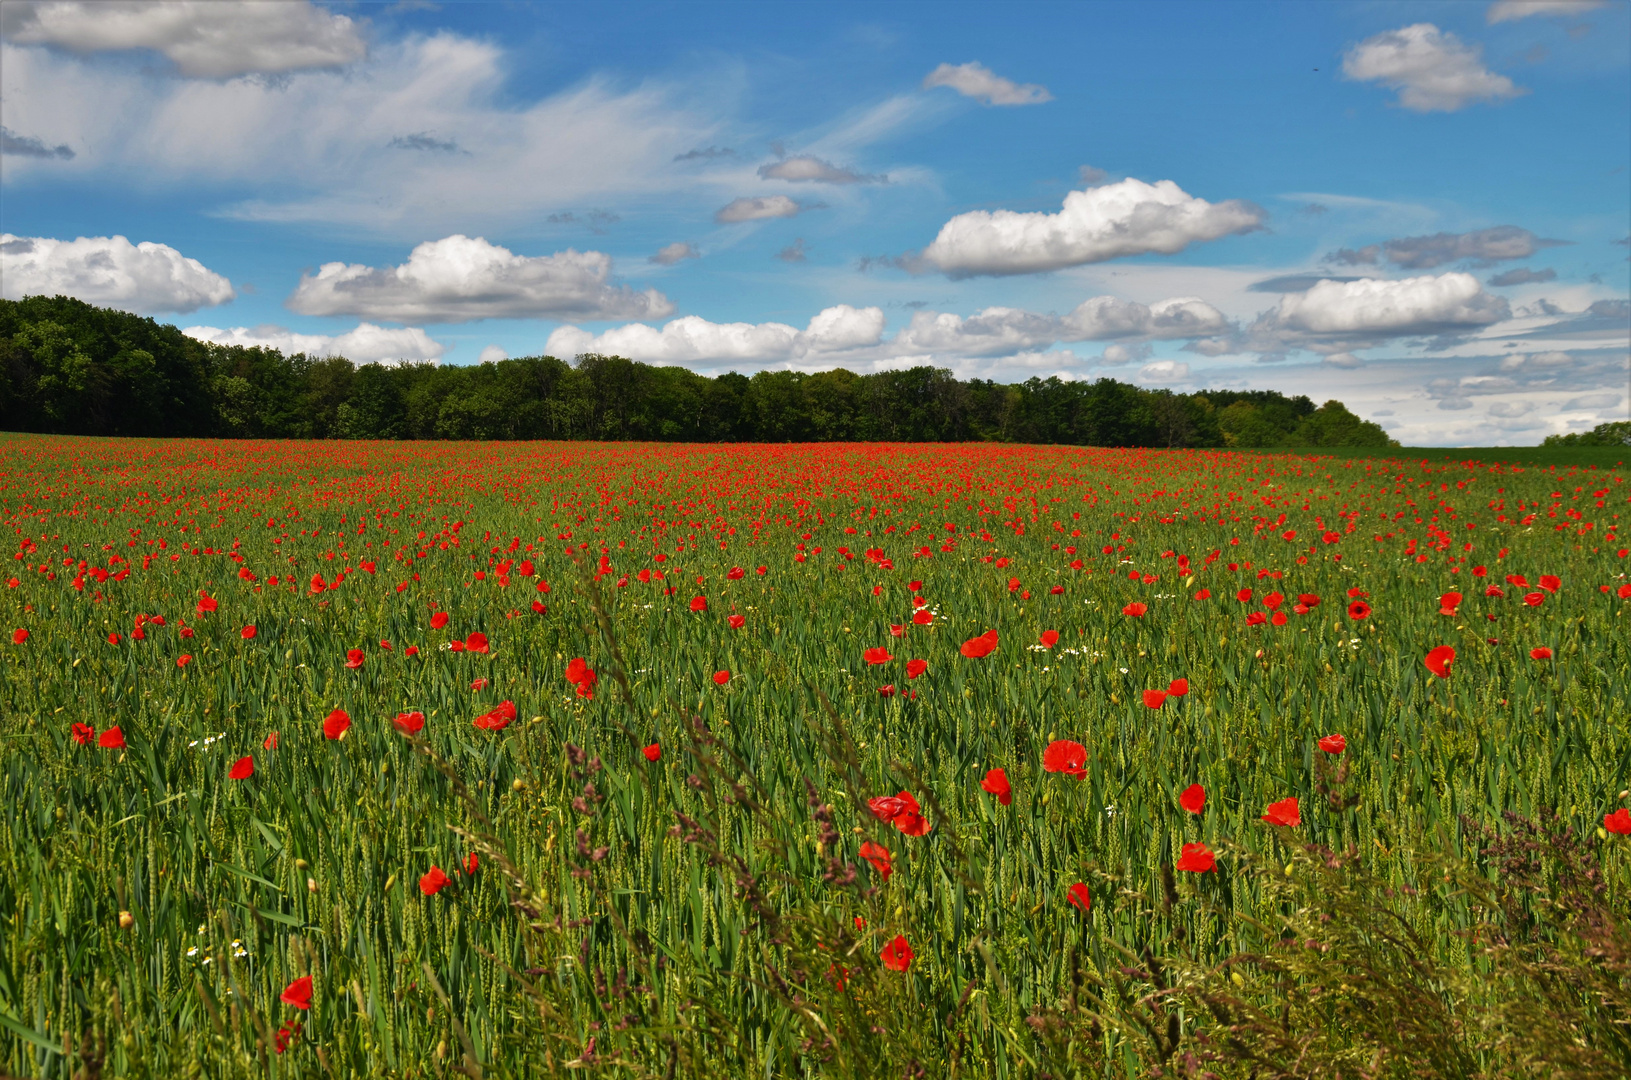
67, 367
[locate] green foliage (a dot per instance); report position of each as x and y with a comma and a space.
1613, 433
69, 368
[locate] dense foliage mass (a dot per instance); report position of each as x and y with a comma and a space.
1613, 433
69, 368
862, 760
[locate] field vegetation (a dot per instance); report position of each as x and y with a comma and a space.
360, 759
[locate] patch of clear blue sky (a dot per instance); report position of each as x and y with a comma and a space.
1223, 99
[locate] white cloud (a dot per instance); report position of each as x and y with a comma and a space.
1117, 355
1374, 307
674, 253
1584, 402
1510, 410
204, 38
1344, 360
696, 340
459, 278
750, 209
1164, 371
1115, 220
857, 334
367, 344
803, 168
976, 81
1432, 69
317, 145
110, 270
492, 354
1507, 10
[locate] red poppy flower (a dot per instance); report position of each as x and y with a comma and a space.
1624, 591
879, 857
879, 655
247, 633
1179, 687
113, 639
577, 670
914, 668
411, 650
901, 811
1273, 600
1154, 699
1438, 661
433, 882
410, 723
1064, 756
471, 864
1050, 638
111, 739
499, 716
1448, 603
922, 617
1358, 610
736, 622
83, 734
476, 642
1308, 600
721, 678
1534, 599
242, 769
297, 993
335, 724
206, 603
1619, 822
1256, 618
438, 620
271, 741
699, 603
1284, 812
1135, 609
653, 752
984, 645
1517, 580
1541, 653
897, 955
996, 783
353, 658
1196, 859
1057, 590
1333, 744
887, 691
1080, 897
1193, 798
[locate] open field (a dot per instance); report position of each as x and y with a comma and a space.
1563, 457
620, 758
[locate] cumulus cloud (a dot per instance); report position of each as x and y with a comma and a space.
1523, 276
857, 333
758, 209
1432, 69
1108, 222
492, 354
1481, 245
974, 80
1507, 10
1164, 371
367, 344
803, 168
203, 38
110, 270
674, 253
460, 278
1510, 410
692, 339
1117, 355
1345, 360
1371, 307
32, 146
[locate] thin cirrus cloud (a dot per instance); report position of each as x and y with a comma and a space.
461, 279
1431, 69
805, 168
975, 80
145, 277
761, 208
1508, 10
203, 38
1483, 247
367, 344
1100, 223
1522, 275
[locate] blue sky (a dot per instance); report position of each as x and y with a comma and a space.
1420, 209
